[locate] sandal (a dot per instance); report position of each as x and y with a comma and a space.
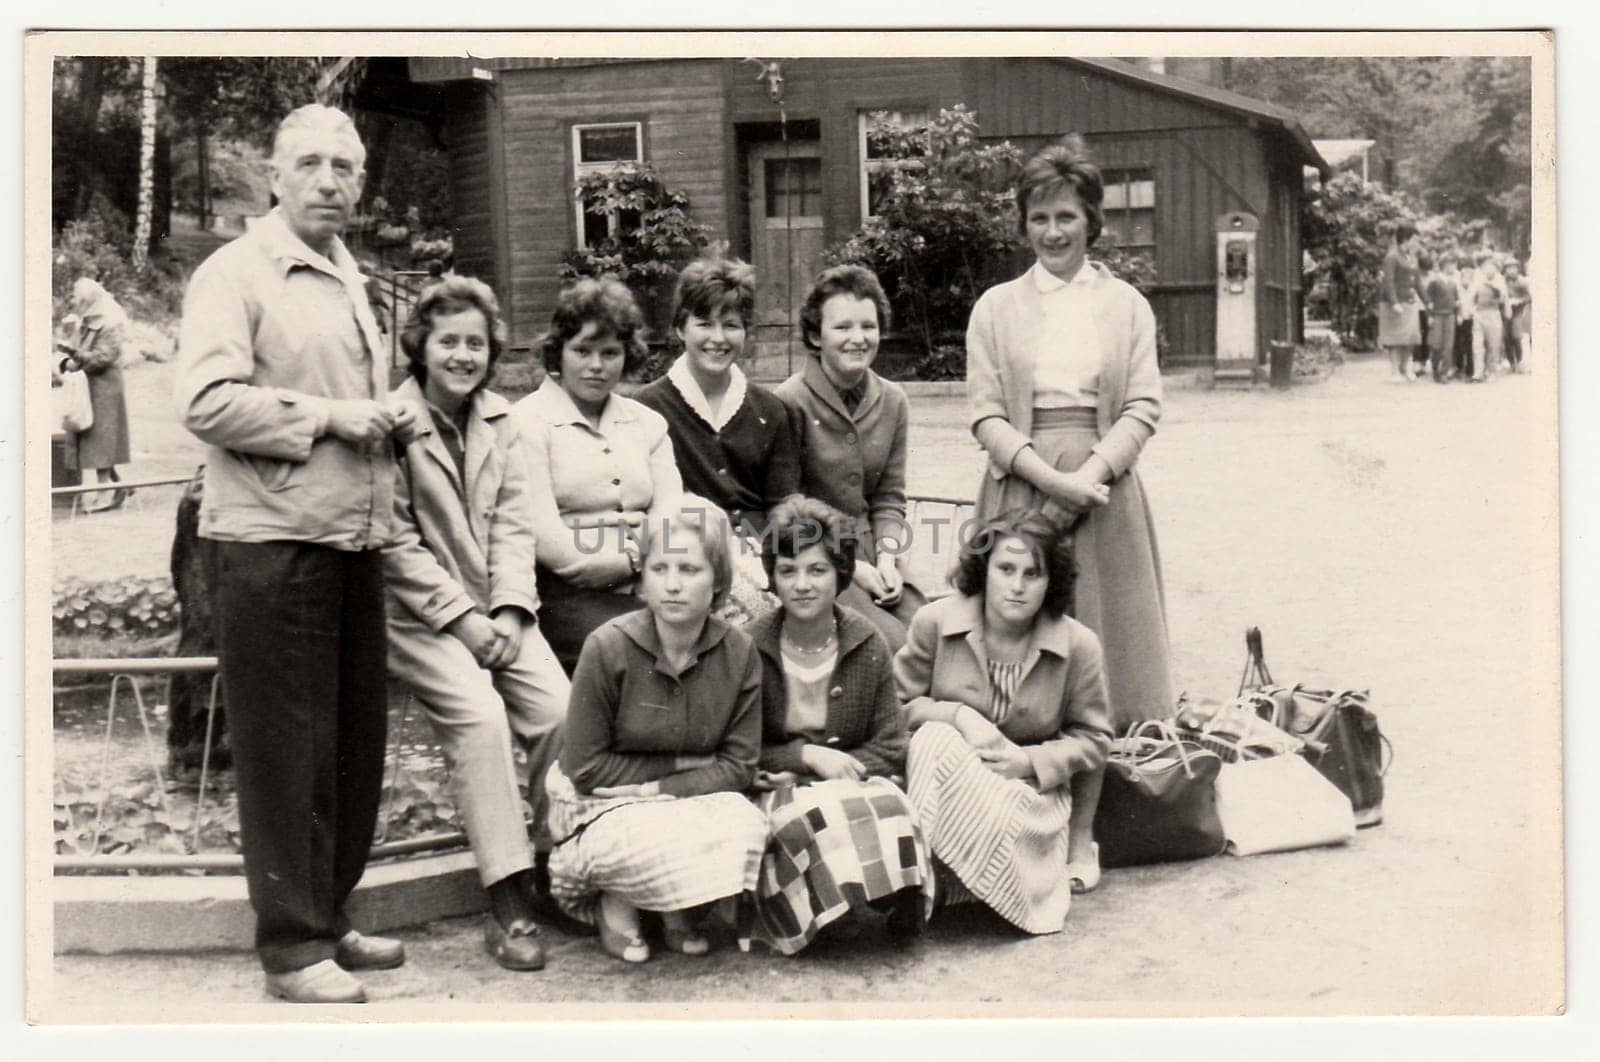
619, 945
1085, 876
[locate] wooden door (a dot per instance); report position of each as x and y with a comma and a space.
786, 234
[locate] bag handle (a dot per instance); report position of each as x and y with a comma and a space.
1255, 662
1165, 734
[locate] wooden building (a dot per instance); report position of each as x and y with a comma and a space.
1177, 154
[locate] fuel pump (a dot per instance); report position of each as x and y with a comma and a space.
1236, 295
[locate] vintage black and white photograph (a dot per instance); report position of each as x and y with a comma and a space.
792, 527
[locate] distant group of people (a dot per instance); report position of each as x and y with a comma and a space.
547, 576
1461, 315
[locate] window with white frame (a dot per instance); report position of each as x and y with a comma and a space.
599, 148
1129, 208
889, 140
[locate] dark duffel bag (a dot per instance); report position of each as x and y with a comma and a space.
1342, 740
1159, 802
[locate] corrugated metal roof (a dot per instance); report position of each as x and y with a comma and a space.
430, 69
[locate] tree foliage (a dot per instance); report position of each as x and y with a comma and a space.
946, 230
1456, 128
945, 227
652, 237
1348, 229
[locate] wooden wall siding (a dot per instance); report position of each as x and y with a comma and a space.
471, 202
681, 110
832, 92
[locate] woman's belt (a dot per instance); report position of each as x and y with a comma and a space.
1066, 417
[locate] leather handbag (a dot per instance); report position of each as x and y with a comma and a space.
1280, 804
1341, 740
1339, 733
1158, 803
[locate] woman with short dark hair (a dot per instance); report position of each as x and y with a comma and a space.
731, 437
843, 838
850, 425
1065, 392
1400, 301
598, 462
1006, 699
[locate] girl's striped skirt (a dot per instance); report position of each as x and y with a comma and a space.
657, 853
836, 847
1002, 839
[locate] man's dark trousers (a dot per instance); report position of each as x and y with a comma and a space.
300, 629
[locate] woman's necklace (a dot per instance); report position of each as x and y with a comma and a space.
827, 643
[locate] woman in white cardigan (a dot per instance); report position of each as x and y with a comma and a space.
1065, 392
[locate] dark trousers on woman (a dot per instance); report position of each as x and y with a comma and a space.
1464, 349
300, 628
568, 614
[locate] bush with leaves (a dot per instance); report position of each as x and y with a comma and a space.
132, 607
99, 245
655, 237
945, 228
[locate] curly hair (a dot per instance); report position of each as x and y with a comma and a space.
1055, 168
708, 524
709, 285
606, 303
453, 294
854, 280
796, 524
1052, 550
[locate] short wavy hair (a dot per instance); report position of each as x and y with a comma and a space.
854, 280
710, 285
1052, 549
705, 520
315, 117
798, 523
1056, 168
608, 304
453, 294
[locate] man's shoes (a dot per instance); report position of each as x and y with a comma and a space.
516, 947
321, 982
358, 952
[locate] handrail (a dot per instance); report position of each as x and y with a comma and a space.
131, 484
133, 665
116, 864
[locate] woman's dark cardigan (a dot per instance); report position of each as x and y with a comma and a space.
864, 714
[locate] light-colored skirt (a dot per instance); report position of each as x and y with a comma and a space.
656, 853
1002, 839
1119, 593
1399, 325
836, 847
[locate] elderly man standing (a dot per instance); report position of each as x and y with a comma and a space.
280, 371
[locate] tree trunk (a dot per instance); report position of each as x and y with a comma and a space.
91, 90
202, 178
147, 157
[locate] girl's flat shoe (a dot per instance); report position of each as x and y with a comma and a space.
1085, 874
684, 941
620, 945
